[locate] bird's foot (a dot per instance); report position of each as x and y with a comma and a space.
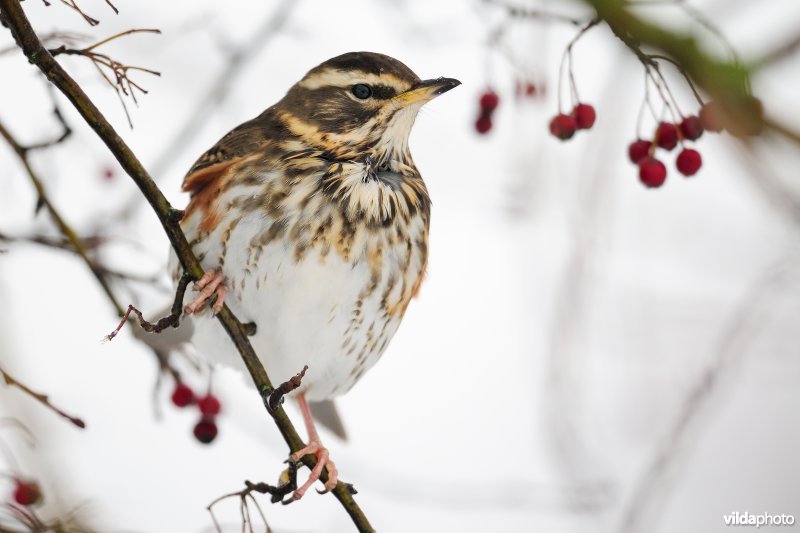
212, 283
316, 448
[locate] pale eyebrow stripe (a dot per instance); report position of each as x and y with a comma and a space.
340, 78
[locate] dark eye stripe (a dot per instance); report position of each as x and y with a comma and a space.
383, 92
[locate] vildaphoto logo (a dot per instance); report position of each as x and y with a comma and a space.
764, 519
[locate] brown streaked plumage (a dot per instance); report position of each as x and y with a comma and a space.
312, 221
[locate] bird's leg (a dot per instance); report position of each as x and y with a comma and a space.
212, 282
316, 448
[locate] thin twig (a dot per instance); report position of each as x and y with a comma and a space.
66, 131
567, 57
89, 243
40, 397
72, 4
537, 14
121, 83
683, 73
63, 37
277, 492
170, 321
25, 36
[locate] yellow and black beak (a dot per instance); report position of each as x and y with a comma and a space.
426, 90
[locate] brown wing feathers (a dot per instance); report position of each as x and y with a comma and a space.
209, 175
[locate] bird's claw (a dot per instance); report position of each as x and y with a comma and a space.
211, 284
315, 448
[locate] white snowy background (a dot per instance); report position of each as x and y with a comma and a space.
586, 355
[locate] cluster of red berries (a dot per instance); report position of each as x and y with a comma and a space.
488, 103
652, 172
26, 493
564, 126
206, 429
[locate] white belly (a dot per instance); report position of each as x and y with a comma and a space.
320, 311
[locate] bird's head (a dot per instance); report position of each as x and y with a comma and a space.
359, 105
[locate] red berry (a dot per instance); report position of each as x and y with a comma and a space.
689, 162
563, 126
584, 116
483, 124
206, 430
209, 405
108, 173
489, 101
691, 127
526, 88
667, 135
27, 492
638, 150
711, 117
182, 395
652, 172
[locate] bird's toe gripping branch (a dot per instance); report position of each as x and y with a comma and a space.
211, 284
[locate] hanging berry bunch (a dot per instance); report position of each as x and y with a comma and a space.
683, 129
668, 129
209, 406
582, 116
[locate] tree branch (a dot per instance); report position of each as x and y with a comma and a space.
726, 82
14, 17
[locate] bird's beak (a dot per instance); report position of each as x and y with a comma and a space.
426, 90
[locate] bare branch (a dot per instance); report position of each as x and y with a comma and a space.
171, 320
41, 398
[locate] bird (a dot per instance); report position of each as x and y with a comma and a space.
311, 221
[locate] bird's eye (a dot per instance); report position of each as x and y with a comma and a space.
362, 91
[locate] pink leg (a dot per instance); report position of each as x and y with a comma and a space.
210, 284
314, 447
